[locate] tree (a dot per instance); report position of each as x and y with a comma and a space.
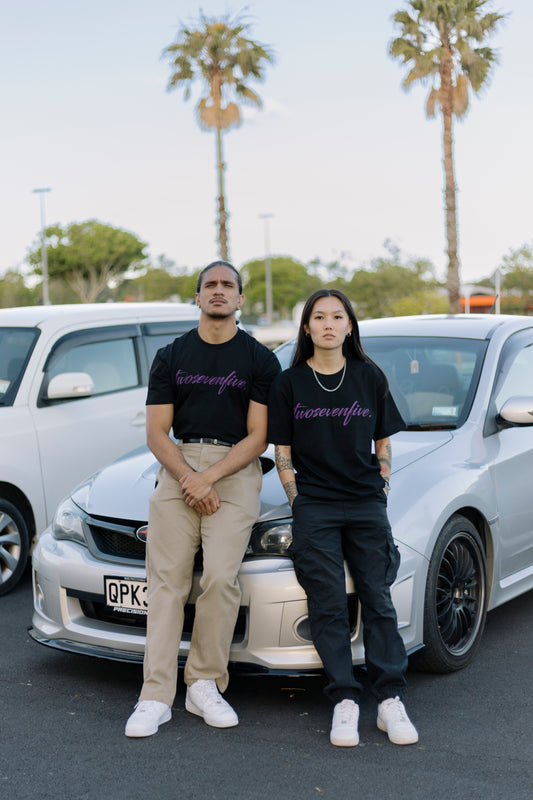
88, 255
517, 283
443, 44
157, 283
336, 274
391, 288
291, 284
14, 292
426, 300
218, 52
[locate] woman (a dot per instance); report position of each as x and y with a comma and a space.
331, 415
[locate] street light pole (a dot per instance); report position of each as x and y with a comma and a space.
44, 258
268, 268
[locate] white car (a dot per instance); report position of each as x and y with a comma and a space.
72, 393
460, 505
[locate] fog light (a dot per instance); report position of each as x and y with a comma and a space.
302, 629
38, 597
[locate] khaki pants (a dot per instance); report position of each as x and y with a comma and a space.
175, 533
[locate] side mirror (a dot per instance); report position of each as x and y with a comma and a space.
517, 411
69, 385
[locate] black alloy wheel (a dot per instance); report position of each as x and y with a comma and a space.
455, 607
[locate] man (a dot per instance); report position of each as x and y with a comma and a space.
210, 387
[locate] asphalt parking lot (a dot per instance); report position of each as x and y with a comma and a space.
62, 721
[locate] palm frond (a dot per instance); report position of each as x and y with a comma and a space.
404, 49
248, 96
479, 70
211, 117
408, 24
460, 96
431, 102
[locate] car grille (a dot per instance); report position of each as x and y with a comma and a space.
118, 543
115, 540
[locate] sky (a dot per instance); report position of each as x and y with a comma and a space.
340, 155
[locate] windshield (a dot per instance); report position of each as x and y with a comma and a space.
432, 379
16, 345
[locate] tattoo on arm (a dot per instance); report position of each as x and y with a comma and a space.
291, 490
282, 461
384, 456
284, 464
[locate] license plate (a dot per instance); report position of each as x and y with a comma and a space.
128, 595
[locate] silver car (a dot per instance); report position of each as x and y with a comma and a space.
460, 505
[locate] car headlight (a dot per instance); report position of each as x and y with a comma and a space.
68, 523
270, 538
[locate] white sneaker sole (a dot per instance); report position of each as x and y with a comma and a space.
352, 742
230, 722
135, 731
413, 739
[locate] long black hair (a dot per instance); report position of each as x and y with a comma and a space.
351, 348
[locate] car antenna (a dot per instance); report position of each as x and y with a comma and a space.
493, 306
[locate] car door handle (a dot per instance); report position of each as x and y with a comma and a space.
139, 420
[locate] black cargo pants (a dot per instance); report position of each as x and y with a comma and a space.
325, 534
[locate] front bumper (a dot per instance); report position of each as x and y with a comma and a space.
273, 635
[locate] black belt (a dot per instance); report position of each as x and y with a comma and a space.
206, 440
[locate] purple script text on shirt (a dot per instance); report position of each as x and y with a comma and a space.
186, 378
355, 410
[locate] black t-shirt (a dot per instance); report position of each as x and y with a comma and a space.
331, 433
211, 385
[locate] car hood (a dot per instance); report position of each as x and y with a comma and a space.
121, 490
407, 447
410, 446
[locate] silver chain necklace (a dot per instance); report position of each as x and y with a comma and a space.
325, 387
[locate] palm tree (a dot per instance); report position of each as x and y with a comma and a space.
217, 51
443, 44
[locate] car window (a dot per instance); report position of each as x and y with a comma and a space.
112, 364
154, 343
518, 377
433, 380
159, 334
16, 345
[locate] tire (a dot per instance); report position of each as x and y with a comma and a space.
14, 546
455, 605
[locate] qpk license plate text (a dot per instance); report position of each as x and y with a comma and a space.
126, 594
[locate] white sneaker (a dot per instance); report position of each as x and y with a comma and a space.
204, 699
393, 719
344, 724
147, 717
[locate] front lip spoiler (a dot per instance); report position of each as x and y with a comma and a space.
68, 646
132, 657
